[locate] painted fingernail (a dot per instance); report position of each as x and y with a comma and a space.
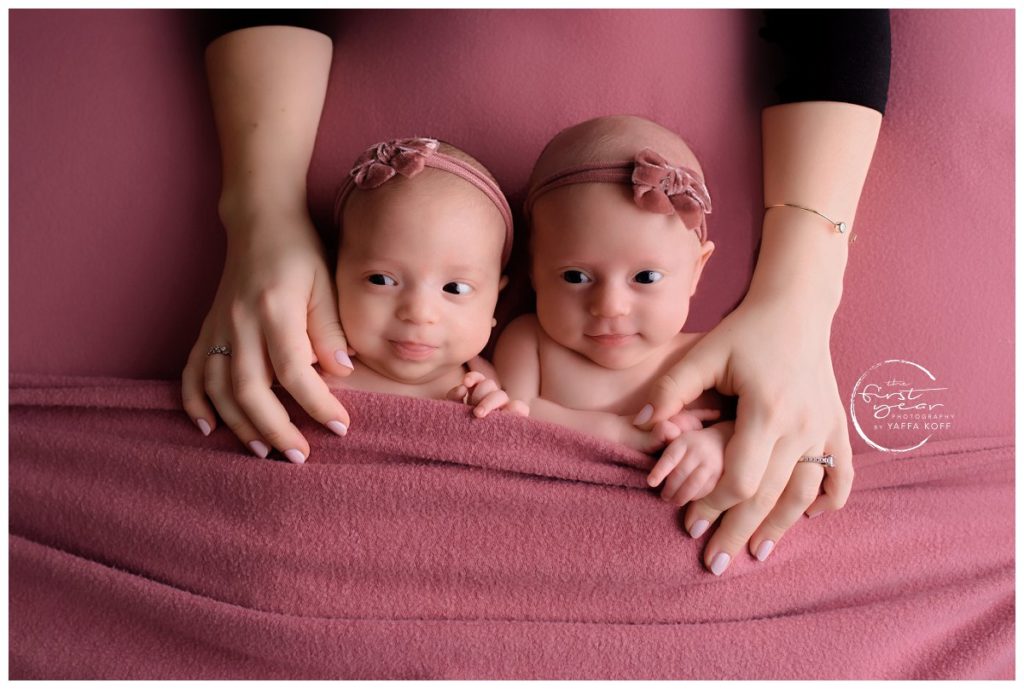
295, 457
337, 427
812, 515
699, 527
764, 549
203, 426
259, 449
644, 416
719, 564
341, 356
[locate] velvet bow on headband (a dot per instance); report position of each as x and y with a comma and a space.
658, 186
378, 164
408, 158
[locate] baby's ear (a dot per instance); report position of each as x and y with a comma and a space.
503, 282
706, 249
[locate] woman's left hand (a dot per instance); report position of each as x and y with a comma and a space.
773, 354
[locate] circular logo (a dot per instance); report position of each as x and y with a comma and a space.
897, 406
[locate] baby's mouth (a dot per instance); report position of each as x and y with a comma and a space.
612, 339
411, 351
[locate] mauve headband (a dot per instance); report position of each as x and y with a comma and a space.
658, 187
409, 157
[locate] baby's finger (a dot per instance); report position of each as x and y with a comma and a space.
217, 384
668, 461
518, 407
473, 378
495, 400
691, 488
481, 391
457, 394
680, 475
800, 492
665, 432
193, 397
705, 414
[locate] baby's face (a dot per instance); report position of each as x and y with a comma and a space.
418, 276
613, 281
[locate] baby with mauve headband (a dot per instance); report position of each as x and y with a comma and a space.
617, 210
425, 233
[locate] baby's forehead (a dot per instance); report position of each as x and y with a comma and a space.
612, 139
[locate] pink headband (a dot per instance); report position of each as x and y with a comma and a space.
658, 187
408, 157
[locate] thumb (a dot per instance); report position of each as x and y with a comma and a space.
699, 370
325, 333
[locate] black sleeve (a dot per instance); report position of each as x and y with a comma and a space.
216, 23
836, 55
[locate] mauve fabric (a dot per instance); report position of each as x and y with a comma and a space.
428, 543
116, 249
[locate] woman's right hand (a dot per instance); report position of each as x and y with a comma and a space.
276, 309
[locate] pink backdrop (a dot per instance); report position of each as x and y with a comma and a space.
116, 248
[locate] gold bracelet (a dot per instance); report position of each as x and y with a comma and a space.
840, 226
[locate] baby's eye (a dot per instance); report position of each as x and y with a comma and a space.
646, 277
457, 288
576, 277
381, 279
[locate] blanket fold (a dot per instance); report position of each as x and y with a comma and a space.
428, 543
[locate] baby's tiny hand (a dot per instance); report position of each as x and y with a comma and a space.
693, 419
485, 396
650, 441
692, 464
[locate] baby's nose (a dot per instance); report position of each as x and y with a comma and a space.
610, 301
418, 306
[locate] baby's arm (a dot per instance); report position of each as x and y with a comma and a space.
517, 359
692, 464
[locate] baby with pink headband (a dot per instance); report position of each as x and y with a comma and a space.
617, 210
425, 233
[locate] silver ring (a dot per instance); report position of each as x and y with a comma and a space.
824, 460
219, 349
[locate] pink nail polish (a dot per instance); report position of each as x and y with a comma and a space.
337, 427
644, 416
203, 426
259, 449
719, 564
764, 549
341, 356
699, 527
295, 457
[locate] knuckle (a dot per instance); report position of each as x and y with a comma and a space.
292, 372
743, 487
764, 501
803, 492
277, 437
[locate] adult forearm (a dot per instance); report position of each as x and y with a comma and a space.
267, 85
816, 154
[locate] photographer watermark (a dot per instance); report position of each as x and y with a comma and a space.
898, 405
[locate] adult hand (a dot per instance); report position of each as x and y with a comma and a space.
276, 309
775, 358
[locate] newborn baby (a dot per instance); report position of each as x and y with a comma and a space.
618, 242
425, 232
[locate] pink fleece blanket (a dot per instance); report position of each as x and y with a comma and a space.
428, 543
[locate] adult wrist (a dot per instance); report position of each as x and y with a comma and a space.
249, 210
